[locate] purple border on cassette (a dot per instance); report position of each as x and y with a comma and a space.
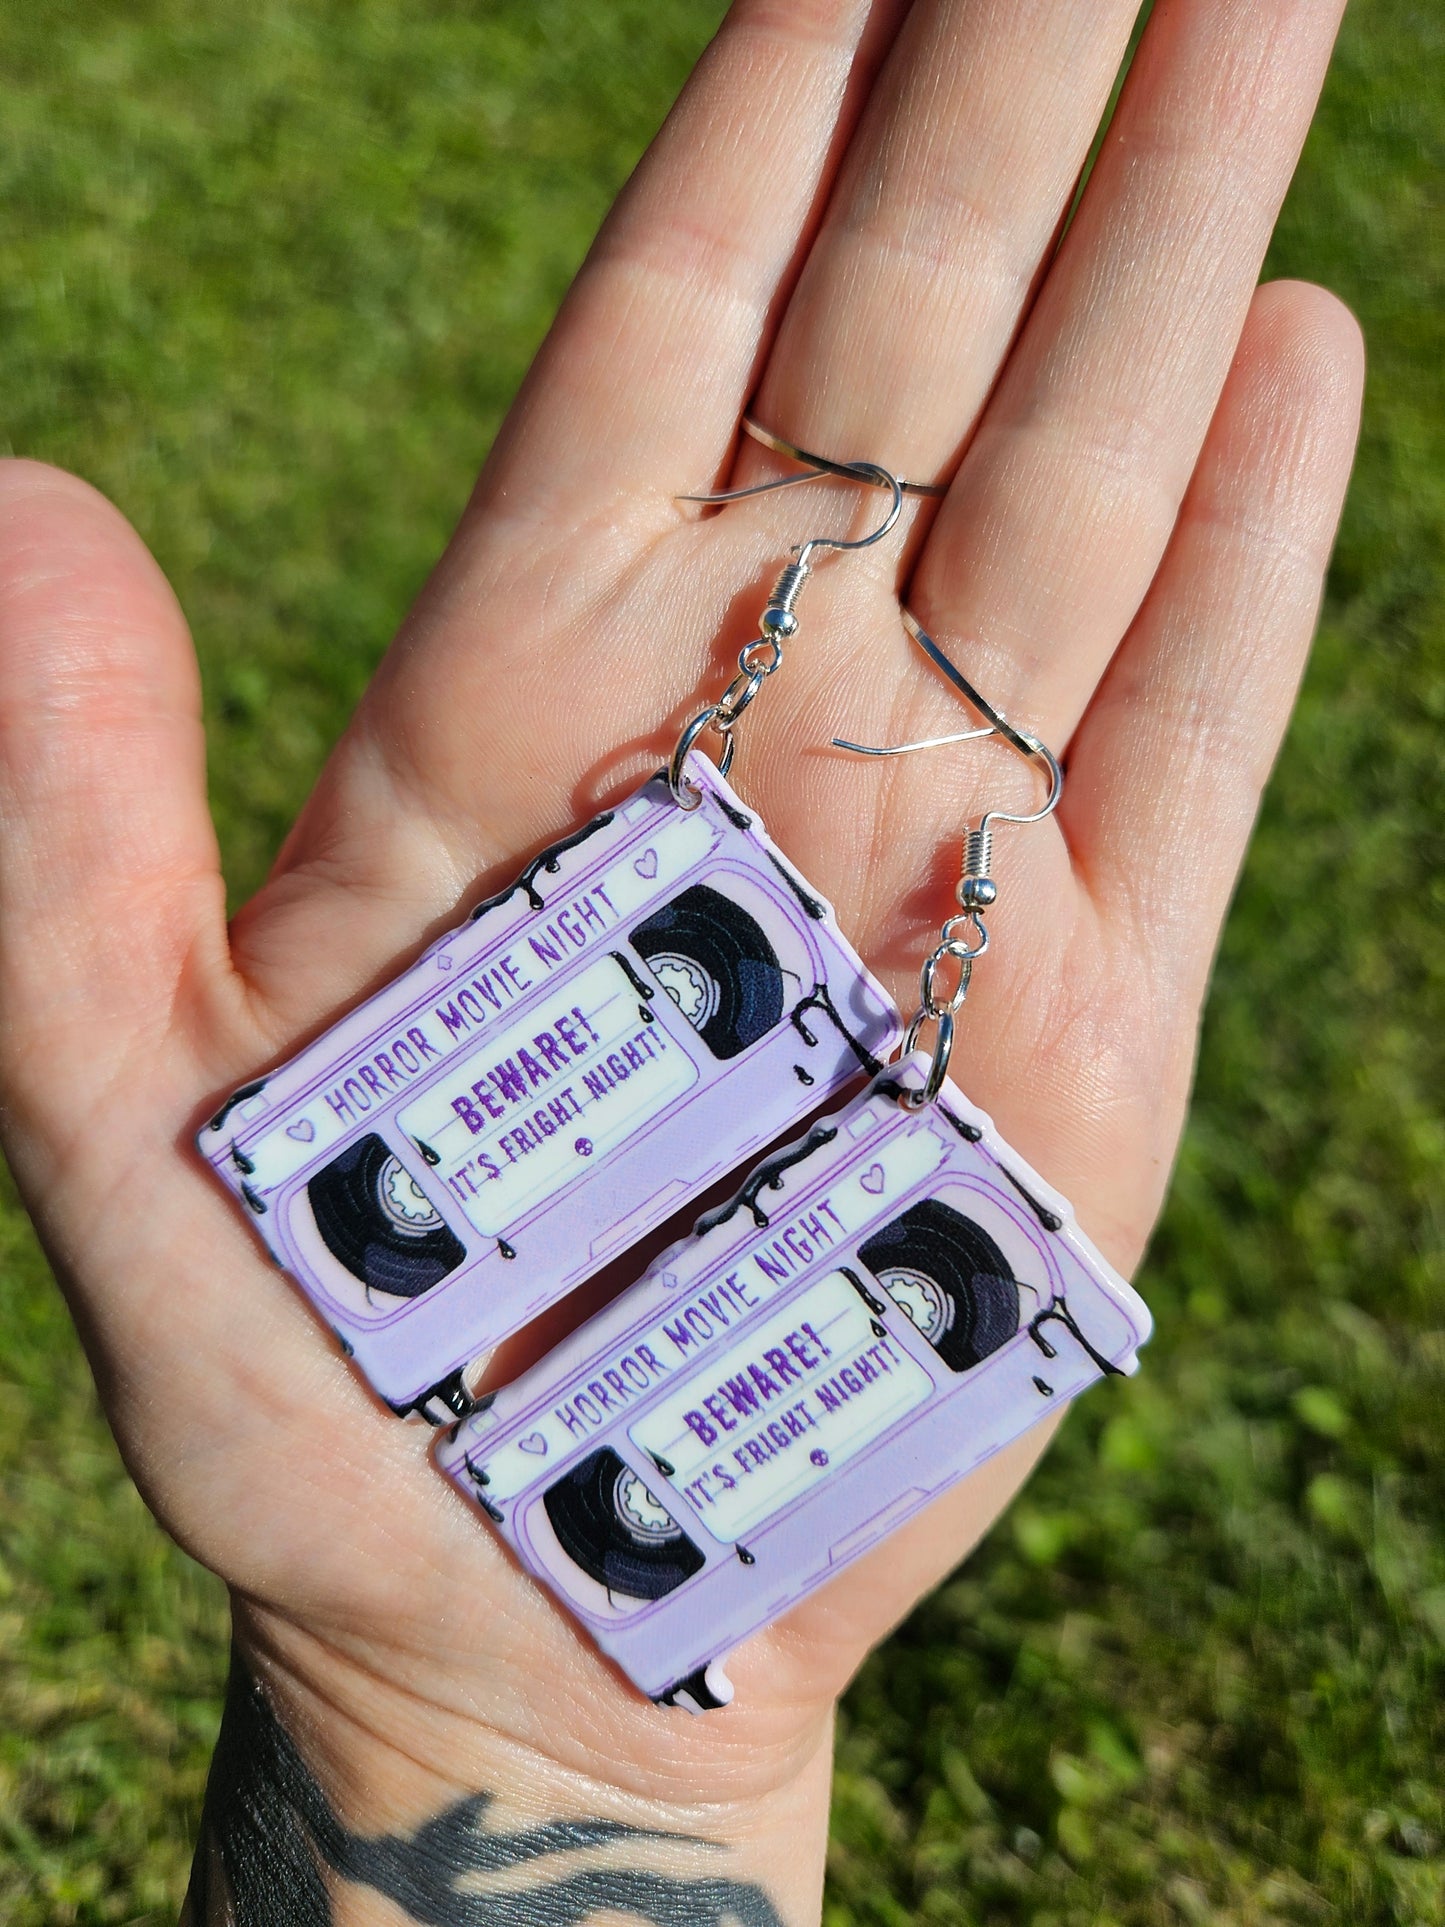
882, 1307
654, 1000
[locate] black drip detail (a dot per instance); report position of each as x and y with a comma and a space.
768, 1176
664, 1466
803, 1076
506, 1250
548, 861
253, 1089
814, 906
970, 1133
431, 1156
1050, 1220
246, 1166
1041, 1386
644, 989
875, 1305
821, 998
1058, 1309
745, 1557
480, 1482
696, 1688
450, 1394
257, 1203
739, 819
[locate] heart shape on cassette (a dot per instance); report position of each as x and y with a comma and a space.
872, 1179
303, 1130
535, 1443
646, 864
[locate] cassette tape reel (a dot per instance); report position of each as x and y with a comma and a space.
880, 1309
714, 960
376, 1220
612, 1525
655, 999
949, 1279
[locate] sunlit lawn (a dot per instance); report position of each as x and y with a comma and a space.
268, 276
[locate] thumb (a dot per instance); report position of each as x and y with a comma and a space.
111, 902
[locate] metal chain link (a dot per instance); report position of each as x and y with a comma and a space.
962, 940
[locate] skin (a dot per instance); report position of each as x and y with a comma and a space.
853, 214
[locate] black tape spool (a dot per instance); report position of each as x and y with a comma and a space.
594, 1531
375, 1244
715, 962
975, 1296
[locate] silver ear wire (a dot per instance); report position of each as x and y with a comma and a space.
778, 622
978, 844
964, 937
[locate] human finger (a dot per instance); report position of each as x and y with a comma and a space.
1062, 510
1168, 765
635, 395
653, 353
1164, 780
946, 206
111, 902
119, 1006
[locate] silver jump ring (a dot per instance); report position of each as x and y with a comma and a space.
942, 1052
736, 697
686, 795
825, 465
932, 1004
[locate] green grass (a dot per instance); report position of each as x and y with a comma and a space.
268, 276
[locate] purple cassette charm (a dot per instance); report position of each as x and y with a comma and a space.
882, 1307
655, 999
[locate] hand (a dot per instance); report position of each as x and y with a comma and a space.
854, 212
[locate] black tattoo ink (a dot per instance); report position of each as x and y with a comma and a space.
268, 1833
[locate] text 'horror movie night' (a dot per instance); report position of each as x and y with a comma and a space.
481, 1135
883, 1306
880, 1308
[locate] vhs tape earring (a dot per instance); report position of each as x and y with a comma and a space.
882, 1307
653, 1000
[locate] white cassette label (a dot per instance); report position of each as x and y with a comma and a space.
769, 1418
546, 1096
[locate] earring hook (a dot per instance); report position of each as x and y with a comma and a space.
964, 936
995, 724
758, 659
871, 472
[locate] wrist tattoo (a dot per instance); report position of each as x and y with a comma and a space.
269, 1836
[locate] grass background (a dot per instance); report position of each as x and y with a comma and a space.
268, 276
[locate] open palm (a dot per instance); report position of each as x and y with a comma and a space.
854, 214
